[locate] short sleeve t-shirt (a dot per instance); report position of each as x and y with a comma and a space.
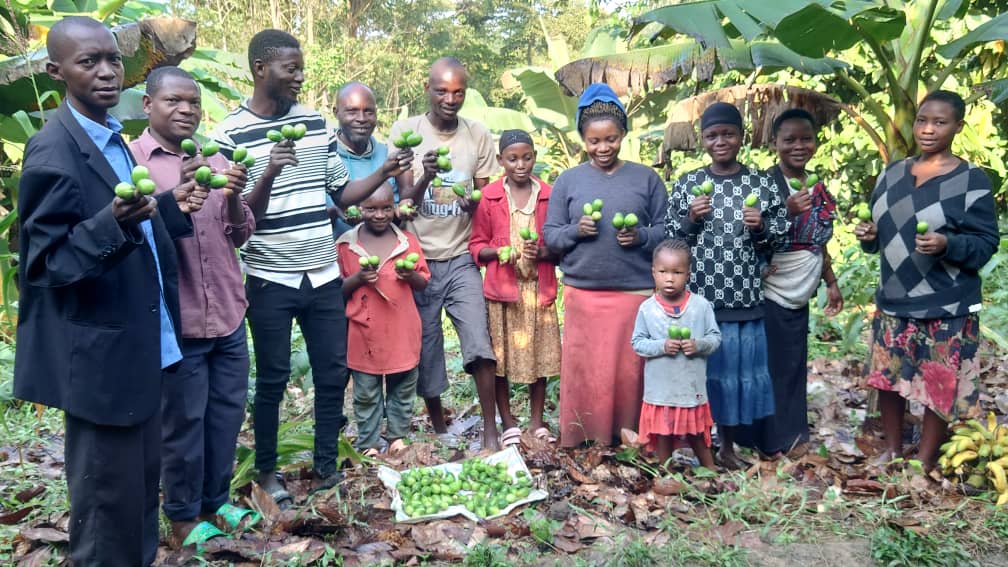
441, 225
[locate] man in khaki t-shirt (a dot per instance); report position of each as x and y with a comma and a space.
443, 222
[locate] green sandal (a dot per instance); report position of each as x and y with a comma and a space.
233, 516
201, 533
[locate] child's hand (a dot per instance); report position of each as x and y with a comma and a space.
369, 275
866, 231
688, 346
752, 218
700, 206
672, 346
587, 227
530, 250
627, 237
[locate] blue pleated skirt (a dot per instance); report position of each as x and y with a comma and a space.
738, 382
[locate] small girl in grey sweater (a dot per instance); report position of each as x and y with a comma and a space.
675, 332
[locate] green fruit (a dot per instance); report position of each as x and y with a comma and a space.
287, 131
406, 133
696, 190
364, 263
618, 221
217, 181
146, 187
274, 135
443, 150
597, 205
533, 236
476, 195
707, 187
684, 333
189, 146
399, 143
352, 211
587, 208
596, 216
210, 148
413, 257
400, 264
248, 162
139, 172
299, 131
751, 200
795, 183
408, 265
630, 220
125, 191
922, 227
864, 213
414, 140
504, 254
239, 154
436, 182
443, 163
523, 232
459, 189
811, 180
203, 175
674, 332
374, 261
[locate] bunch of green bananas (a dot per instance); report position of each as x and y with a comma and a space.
978, 454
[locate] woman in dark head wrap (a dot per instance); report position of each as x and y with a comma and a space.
730, 215
607, 272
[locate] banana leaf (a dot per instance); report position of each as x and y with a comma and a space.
146, 44
759, 105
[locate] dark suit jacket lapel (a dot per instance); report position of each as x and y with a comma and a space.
93, 155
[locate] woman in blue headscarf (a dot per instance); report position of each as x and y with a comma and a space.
606, 272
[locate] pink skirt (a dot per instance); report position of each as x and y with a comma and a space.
601, 377
667, 420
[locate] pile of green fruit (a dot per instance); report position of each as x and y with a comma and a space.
979, 455
287, 132
142, 181
408, 139
705, 188
407, 263
484, 489
809, 184
593, 210
621, 221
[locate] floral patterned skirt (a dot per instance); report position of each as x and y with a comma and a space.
929, 361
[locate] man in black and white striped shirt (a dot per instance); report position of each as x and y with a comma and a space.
291, 258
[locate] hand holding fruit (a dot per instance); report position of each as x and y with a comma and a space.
353, 216
190, 196
798, 203
132, 202
404, 267
751, 215
699, 207
397, 163
429, 161
930, 243
506, 255
587, 227
688, 347
866, 231
406, 210
237, 177
672, 346
281, 156
189, 167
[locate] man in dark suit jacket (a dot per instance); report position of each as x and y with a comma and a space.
98, 311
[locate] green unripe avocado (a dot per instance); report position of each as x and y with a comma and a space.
618, 221
287, 131
696, 190
443, 163
795, 183
459, 189
274, 136
146, 187
587, 208
414, 140
139, 172
400, 264
299, 131
210, 148
248, 162
684, 333
864, 213
922, 227
707, 187
443, 150
218, 180
476, 195
203, 175
189, 146
597, 205
413, 257
408, 265
811, 180
674, 332
125, 191
239, 154
751, 200
630, 220
374, 261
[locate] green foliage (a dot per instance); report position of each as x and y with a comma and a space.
634, 553
486, 555
895, 545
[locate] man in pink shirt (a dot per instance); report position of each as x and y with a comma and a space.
203, 399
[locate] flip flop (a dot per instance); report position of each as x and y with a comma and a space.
235, 516
544, 434
511, 436
201, 533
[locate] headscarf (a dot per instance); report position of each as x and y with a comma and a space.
721, 113
600, 100
511, 137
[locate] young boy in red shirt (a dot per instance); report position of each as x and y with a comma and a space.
383, 339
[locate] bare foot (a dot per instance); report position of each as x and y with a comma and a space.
490, 440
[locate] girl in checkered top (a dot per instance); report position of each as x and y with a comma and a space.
707, 208
933, 221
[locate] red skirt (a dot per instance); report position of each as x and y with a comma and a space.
667, 420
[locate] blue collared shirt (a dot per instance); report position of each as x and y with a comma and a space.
360, 166
114, 150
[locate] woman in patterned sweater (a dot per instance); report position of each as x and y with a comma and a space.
933, 221
726, 235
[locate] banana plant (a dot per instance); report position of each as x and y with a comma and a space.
904, 58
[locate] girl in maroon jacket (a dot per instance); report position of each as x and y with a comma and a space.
520, 284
